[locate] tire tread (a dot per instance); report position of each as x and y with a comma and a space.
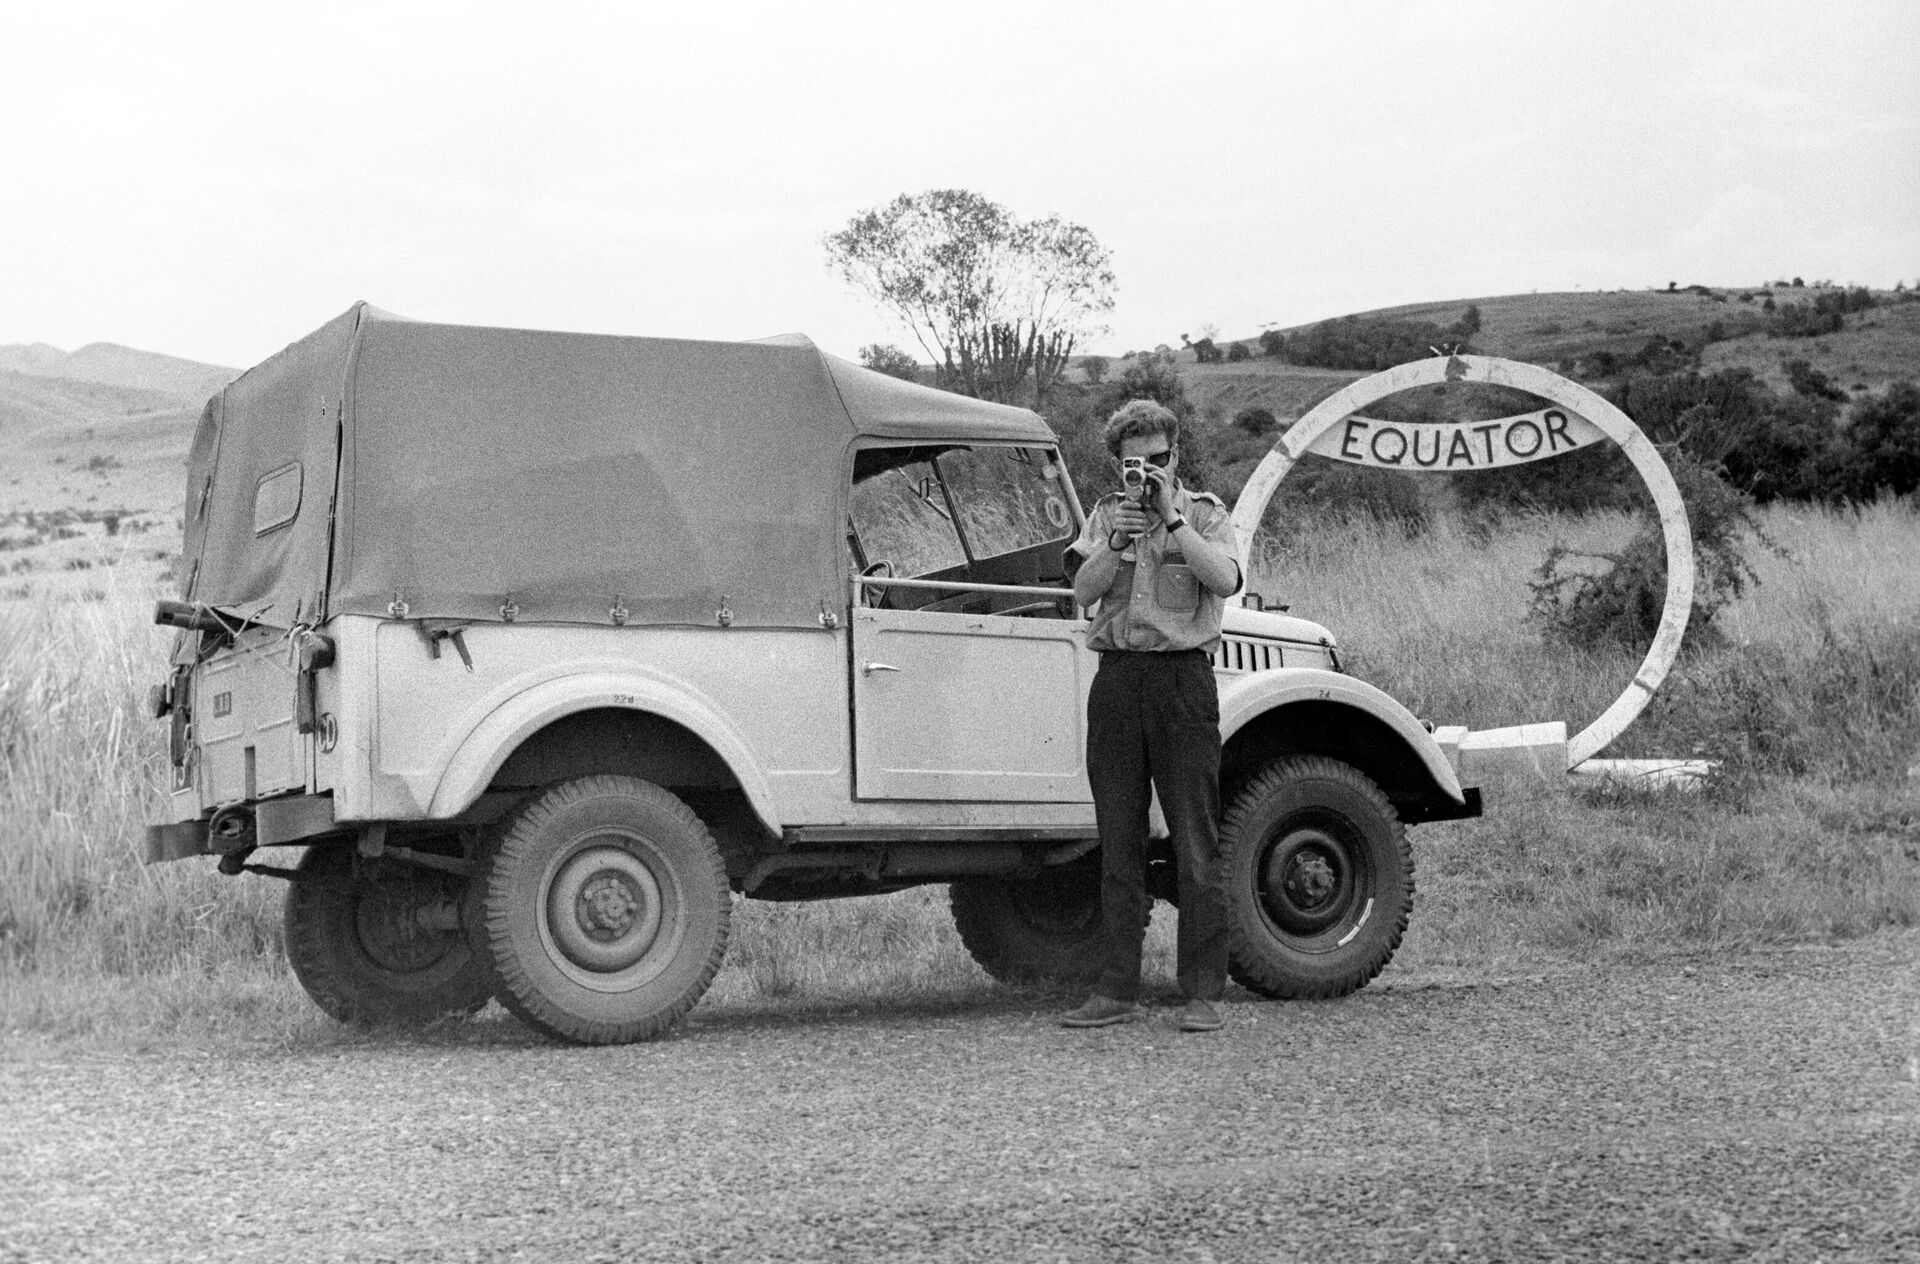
1264, 976
516, 844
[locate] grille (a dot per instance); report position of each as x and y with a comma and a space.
1245, 654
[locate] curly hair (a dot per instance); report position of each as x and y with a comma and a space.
1138, 418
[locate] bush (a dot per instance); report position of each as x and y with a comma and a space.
1238, 351
1273, 343
1255, 420
1805, 320
1883, 444
1353, 343
1079, 416
1810, 382
886, 358
1621, 603
1095, 367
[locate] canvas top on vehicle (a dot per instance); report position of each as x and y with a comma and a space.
384, 466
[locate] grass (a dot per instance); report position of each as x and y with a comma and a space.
1810, 696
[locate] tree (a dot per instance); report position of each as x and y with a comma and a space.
884, 357
996, 302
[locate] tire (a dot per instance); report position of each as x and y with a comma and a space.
1319, 879
355, 942
603, 911
1040, 929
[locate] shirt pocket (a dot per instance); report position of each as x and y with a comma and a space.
1176, 589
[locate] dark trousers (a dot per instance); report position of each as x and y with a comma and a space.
1153, 722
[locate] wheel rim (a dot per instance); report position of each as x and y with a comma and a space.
611, 913
1312, 879
386, 919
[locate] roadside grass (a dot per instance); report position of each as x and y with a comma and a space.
1810, 697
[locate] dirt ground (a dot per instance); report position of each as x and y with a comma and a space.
1750, 1106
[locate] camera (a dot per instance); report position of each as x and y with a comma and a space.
1133, 475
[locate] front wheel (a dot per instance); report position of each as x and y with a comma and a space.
603, 909
1320, 879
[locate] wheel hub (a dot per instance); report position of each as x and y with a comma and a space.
1309, 879
396, 929
604, 908
1306, 880
608, 906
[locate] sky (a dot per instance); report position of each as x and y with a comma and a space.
213, 181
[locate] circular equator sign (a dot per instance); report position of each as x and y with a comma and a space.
1575, 418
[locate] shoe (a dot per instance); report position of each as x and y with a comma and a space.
1101, 1011
1199, 1015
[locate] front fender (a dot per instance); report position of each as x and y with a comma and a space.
1242, 698
507, 726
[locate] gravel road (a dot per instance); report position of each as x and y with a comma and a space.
1756, 1106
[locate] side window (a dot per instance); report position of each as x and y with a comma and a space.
1008, 498
901, 517
276, 498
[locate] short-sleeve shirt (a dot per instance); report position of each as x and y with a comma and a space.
1156, 602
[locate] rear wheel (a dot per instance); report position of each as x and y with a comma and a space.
1044, 928
603, 910
378, 942
1320, 879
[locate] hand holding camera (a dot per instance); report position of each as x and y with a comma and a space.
1147, 488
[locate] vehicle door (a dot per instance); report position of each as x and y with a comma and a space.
970, 665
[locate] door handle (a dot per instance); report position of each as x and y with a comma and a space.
871, 668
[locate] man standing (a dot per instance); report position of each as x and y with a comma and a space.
1160, 573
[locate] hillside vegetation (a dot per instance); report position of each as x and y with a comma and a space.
1572, 332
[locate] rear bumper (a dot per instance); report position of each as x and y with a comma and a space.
288, 819
176, 840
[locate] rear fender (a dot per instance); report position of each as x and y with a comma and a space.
1245, 698
504, 729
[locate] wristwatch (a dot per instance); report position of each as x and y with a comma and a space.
1174, 524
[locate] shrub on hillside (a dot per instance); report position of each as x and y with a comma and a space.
1353, 343
1079, 416
1883, 444
1810, 382
1804, 320
1238, 351
886, 358
1591, 480
1348, 493
1255, 420
1095, 367
1619, 601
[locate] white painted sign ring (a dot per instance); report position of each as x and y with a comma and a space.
1674, 529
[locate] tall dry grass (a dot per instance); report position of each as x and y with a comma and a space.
1811, 694
1807, 692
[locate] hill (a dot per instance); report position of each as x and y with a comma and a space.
110, 364
1567, 331
94, 441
